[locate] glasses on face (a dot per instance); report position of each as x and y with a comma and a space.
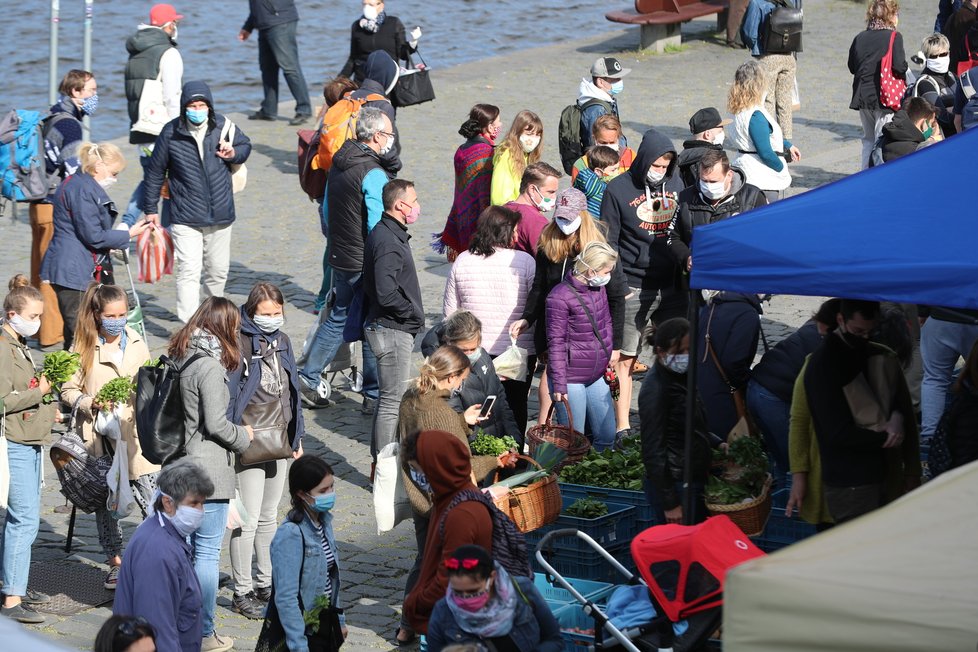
473, 594
940, 54
386, 133
130, 626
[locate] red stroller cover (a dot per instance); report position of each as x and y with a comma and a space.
685, 565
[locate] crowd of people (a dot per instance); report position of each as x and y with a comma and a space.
567, 286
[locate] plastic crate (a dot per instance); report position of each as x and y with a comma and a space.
591, 566
572, 617
782, 531
644, 514
617, 526
557, 595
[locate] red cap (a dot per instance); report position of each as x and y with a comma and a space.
161, 14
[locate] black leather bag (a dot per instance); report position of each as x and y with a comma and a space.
413, 86
271, 440
159, 410
783, 31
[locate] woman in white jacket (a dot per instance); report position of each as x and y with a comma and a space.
491, 280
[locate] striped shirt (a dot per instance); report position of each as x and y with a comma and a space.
330, 558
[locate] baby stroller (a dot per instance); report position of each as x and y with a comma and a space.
344, 363
683, 568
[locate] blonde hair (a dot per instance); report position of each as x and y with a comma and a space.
935, 43
445, 362
748, 87
91, 154
882, 12
558, 247
524, 122
594, 256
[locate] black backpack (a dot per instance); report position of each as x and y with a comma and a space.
569, 137
159, 410
781, 32
508, 543
82, 475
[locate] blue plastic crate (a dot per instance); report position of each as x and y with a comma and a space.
572, 617
617, 526
588, 566
644, 514
557, 595
782, 531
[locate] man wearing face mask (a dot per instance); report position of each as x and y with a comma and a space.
395, 314
913, 127
538, 194
381, 73
861, 408
157, 580
720, 192
707, 129
598, 97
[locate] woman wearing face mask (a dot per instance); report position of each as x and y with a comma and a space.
158, 582
485, 604
264, 394
425, 407
305, 561
935, 83
763, 151
522, 146
374, 30
662, 417
492, 280
83, 233
27, 423
109, 349
207, 348
581, 344
473, 179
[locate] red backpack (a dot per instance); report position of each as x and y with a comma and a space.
312, 178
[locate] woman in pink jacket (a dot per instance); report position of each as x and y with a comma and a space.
491, 280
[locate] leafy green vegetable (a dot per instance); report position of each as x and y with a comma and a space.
520, 479
587, 508
744, 472
152, 362
549, 456
58, 368
485, 444
117, 391
311, 616
620, 468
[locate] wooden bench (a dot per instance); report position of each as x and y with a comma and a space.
661, 20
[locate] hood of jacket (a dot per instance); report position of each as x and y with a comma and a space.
146, 37
353, 153
65, 105
587, 90
902, 128
446, 462
654, 144
736, 297
196, 90
382, 69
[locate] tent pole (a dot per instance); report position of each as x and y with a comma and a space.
694, 320
87, 59
53, 53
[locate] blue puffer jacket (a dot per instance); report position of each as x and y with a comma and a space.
534, 626
200, 188
83, 217
576, 355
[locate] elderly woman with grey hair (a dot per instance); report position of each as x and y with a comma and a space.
157, 580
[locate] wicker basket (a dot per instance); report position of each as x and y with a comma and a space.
533, 506
563, 437
751, 517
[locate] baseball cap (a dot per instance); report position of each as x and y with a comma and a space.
708, 118
609, 67
162, 14
570, 204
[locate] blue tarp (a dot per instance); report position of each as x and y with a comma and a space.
906, 231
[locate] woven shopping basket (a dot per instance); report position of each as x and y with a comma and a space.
751, 517
533, 506
563, 437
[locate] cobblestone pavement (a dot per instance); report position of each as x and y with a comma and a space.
277, 238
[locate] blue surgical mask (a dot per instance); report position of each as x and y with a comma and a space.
474, 356
617, 87
324, 502
90, 104
196, 116
114, 327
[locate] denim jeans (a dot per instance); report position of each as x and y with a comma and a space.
393, 350
772, 416
941, 343
329, 338
207, 543
278, 50
23, 516
133, 211
592, 408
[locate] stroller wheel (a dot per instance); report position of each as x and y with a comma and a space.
324, 389
356, 383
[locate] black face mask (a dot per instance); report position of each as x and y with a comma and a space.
854, 341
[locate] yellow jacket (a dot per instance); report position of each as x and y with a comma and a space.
505, 182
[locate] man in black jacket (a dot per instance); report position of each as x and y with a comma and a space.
913, 127
721, 192
707, 129
393, 297
276, 22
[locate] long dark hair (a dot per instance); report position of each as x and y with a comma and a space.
262, 291
494, 230
119, 632
306, 473
480, 117
219, 317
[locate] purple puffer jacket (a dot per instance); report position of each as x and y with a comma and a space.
576, 356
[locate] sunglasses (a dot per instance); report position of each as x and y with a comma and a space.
130, 626
455, 564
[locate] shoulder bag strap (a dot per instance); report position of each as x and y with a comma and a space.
590, 318
713, 353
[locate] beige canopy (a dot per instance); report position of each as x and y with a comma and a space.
904, 578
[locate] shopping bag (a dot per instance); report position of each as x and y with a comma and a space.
413, 85
511, 364
154, 254
391, 504
120, 501
4, 462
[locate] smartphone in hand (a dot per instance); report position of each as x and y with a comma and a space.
487, 407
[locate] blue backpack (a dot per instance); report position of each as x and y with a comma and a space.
22, 164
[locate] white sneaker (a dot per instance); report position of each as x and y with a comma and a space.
215, 643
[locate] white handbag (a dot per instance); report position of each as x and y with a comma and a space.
391, 504
239, 171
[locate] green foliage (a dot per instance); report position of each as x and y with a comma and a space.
117, 391
613, 468
587, 508
521, 479
745, 472
311, 616
485, 444
58, 368
549, 456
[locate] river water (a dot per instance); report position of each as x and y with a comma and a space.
455, 31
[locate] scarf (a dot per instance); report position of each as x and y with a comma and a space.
877, 24
496, 618
373, 25
207, 343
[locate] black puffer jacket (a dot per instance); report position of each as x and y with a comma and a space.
900, 137
200, 187
696, 210
662, 422
347, 221
779, 367
389, 38
961, 426
381, 73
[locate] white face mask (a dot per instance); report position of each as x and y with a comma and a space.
569, 227
269, 324
370, 12
23, 327
718, 139
615, 146
713, 189
529, 142
388, 146
107, 182
598, 281
546, 203
678, 363
939, 65
186, 520
654, 177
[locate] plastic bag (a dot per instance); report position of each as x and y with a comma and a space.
4, 463
120, 501
391, 504
511, 363
154, 254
